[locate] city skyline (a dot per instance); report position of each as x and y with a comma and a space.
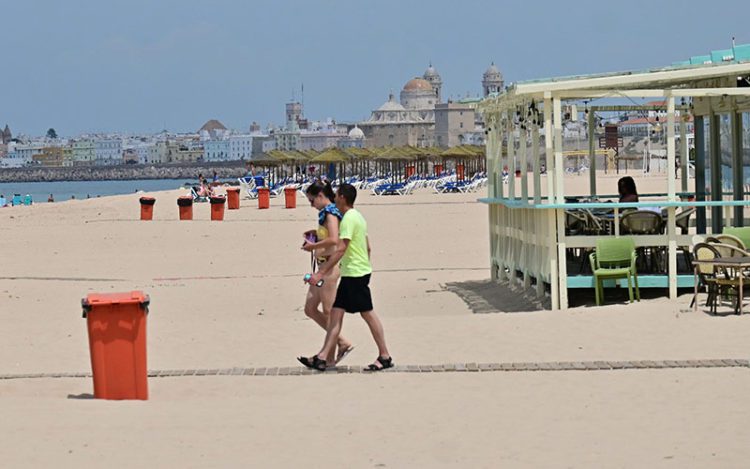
139, 68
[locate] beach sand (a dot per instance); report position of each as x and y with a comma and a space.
228, 295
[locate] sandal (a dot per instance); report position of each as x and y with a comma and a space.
343, 353
385, 362
315, 364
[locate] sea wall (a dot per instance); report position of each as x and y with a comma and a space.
226, 170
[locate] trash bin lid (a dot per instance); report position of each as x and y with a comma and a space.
233, 189
96, 299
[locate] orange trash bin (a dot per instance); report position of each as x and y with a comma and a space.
460, 172
116, 325
233, 198
185, 205
217, 208
438, 169
290, 197
147, 208
264, 197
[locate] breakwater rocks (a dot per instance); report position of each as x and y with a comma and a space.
123, 172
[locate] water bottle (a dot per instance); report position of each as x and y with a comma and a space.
309, 276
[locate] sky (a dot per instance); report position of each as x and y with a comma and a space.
140, 66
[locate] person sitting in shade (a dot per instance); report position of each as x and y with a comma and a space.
627, 190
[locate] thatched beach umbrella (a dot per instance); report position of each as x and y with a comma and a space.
333, 156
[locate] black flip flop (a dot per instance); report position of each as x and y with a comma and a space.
386, 362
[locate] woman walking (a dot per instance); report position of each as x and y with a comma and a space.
322, 243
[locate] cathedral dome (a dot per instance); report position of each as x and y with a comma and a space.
391, 105
417, 84
356, 133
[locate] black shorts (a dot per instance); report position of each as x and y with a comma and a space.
353, 294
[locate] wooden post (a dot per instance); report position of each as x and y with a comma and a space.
700, 173
524, 164
671, 159
511, 157
684, 160
715, 156
548, 155
559, 164
738, 180
592, 153
535, 155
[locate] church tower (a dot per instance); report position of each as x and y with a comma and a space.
492, 80
433, 77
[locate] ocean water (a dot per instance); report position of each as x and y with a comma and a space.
65, 190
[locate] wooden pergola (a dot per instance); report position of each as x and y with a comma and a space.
527, 231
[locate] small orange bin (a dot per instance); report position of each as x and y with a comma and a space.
117, 341
147, 208
290, 197
264, 197
233, 198
217, 208
460, 172
185, 205
438, 169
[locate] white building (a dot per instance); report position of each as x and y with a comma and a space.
25, 152
216, 150
240, 147
108, 151
14, 158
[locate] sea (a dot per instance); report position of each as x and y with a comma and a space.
66, 190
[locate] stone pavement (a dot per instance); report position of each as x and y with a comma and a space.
443, 368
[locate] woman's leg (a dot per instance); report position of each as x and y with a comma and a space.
327, 297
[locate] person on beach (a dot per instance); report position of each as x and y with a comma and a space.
50, 199
627, 190
321, 243
353, 293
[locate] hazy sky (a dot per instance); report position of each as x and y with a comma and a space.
138, 65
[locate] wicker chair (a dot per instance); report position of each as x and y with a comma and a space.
644, 222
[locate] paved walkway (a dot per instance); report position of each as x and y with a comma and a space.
449, 368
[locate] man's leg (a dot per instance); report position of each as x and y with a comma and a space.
376, 329
335, 321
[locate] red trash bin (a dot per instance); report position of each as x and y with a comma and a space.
264, 197
233, 198
117, 341
290, 197
147, 208
217, 208
460, 172
185, 204
438, 168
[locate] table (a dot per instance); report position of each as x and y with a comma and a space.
736, 263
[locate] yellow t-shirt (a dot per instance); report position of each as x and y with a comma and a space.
356, 261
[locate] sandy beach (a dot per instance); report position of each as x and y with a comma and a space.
228, 296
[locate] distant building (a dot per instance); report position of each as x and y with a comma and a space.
240, 147
452, 120
492, 80
180, 152
49, 157
213, 130
355, 139
216, 150
157, 153
263, 143
6, 135
26, 152
108, 151
84, 152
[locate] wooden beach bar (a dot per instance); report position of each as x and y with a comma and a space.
530, 236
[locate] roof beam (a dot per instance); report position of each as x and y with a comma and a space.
654, 93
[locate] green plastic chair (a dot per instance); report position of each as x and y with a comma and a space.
743, 233
614, 258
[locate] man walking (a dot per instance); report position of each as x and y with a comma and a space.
353, 293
